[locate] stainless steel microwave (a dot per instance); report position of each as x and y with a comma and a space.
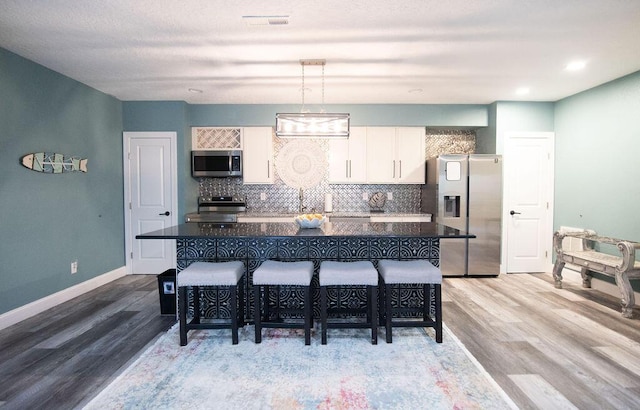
216, 163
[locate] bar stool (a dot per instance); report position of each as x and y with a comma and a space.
289, 274
211, 274
412, 272
359, 273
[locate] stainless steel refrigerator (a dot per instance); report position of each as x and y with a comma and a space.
465, 192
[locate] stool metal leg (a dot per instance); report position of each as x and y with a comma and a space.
182, 307
257, 303
426, 301
241, 320
438, 292
323, 313
388, 313
307, 315
234, 314
373, 306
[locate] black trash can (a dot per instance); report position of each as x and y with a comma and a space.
167, 291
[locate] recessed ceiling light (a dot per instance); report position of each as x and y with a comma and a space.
195, 91
575, 66
523, 90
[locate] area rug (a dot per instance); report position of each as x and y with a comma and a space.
349, 372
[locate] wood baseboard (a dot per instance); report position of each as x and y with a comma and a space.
24, 312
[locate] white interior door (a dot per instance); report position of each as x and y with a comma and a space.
150, 199
528, 204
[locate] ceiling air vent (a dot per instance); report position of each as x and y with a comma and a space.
266, 20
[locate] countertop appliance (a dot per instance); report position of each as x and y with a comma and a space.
465, 192
218, 209
216, 163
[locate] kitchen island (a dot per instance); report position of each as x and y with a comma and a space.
253, 243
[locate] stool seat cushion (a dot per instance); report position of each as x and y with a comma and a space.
412, 271
211, 274
334, 273
283, 273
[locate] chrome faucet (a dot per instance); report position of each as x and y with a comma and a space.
301, 207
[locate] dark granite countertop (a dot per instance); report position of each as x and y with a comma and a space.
334, 229
340, 214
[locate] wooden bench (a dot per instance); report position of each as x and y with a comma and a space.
622, 267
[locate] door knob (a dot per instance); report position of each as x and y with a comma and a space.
512, 212
165, 214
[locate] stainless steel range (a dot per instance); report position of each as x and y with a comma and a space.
220, 209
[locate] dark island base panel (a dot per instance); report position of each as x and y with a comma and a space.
253, 251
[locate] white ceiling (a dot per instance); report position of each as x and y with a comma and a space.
376, 51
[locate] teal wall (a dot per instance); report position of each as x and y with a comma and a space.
598, 159
466, 116
49, 220
515, 116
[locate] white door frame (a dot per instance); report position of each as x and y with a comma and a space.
547, 231
126, 138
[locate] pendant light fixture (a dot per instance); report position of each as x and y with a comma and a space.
312, 125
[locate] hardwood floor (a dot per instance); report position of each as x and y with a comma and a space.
547, 348
63, 357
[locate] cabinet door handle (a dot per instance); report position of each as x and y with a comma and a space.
394, 168
268, 170
350, 174
346, 168
400, 168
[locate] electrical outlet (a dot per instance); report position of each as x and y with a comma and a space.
390, 196
365, 196
74, 267
263, 196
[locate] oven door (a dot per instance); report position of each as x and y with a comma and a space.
213, 217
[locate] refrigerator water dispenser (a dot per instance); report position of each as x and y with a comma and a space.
452, 206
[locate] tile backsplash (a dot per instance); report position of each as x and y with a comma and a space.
347, 198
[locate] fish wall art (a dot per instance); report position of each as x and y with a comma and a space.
52, 163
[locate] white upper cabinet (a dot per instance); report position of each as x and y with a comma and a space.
410, 148
381, 159
347, 158
395, 155
257, 155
